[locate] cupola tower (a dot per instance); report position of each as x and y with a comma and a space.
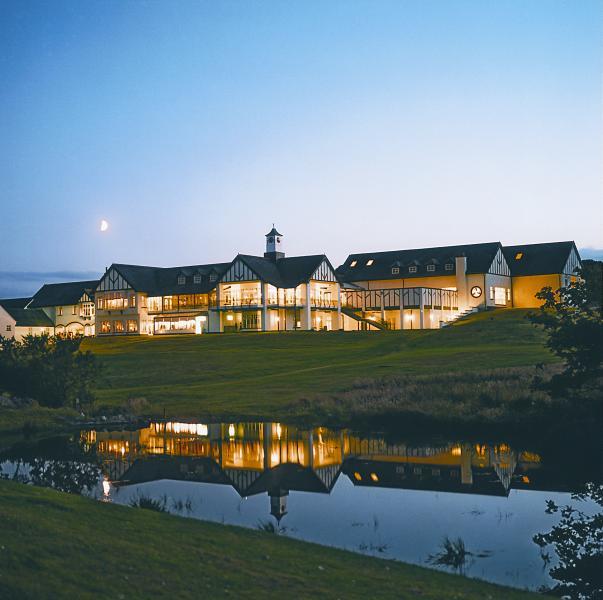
274, 245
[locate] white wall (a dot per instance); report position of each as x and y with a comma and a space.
6, 321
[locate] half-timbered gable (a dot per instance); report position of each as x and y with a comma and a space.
239, 271
324, 272
113, 281
499, 265
573, 263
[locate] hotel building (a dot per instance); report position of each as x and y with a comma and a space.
423, 288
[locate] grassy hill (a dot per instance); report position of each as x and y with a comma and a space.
257, 374
55, 545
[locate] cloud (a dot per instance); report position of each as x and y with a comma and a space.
26, 283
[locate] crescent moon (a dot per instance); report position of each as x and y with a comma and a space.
104, 225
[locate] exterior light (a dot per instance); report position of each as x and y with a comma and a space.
279, 430
231, 430
229, 317
525, 479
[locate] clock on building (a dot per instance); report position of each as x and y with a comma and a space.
476, 291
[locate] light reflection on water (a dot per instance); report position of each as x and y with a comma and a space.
361, 492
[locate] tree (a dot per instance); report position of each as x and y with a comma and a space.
575, 333
49, 369
578, 542
592, 273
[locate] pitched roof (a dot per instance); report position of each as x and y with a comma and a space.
285, 272
164, 280
25, 317
479, 259
273, 231
538, 259
15, 302
62, 294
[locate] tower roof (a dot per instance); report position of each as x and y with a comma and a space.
273, 231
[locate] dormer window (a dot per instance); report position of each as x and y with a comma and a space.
395, 270
353, 263
448, 266
197, 278
213, 277
181, 279
412, 269
369, 262
431, 267
519, 256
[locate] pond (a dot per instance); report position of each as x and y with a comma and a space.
380, 495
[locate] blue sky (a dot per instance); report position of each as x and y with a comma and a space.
354, 126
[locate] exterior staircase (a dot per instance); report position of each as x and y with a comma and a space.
357, 316
461, 315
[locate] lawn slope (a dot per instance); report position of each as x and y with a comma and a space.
261, 374
54, 545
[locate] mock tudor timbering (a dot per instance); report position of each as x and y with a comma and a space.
421, 288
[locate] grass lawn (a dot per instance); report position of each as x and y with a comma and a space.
259, 374
55, 545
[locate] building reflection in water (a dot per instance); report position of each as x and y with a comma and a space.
274, 458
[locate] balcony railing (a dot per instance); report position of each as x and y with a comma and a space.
389, 299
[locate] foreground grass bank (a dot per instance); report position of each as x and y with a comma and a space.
56, 545
262, 374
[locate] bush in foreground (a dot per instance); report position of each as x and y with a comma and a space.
49, 369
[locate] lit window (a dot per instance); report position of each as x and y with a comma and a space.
369, 262
519, 256
395, 270
105, 326
74, 310
132, 326
448, 266
491, 293
353, 263
181, 279
60, 311
197, 279
133, 301
431, 267
508, 295
412, 269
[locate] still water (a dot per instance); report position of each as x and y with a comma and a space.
363, 492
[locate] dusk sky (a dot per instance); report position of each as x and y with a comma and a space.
354, 126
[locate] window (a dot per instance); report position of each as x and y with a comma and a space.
105, 326
9, 328
181, 279
60, 311
74, 310
154, 303
369, 262
508, 294
519, 256
431, 267
213, 277
395, 270
133, 300
412, 269
132, 326
491, 293
448, 267
118, 326
353, 263
197, 278
500, 296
